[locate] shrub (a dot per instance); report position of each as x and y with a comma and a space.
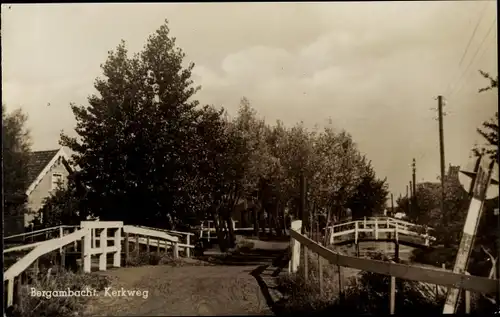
364, 293
58, 306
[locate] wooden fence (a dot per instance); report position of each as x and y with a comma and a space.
395, 270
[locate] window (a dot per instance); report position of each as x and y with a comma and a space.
57, 180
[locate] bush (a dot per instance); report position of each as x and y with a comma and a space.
58, 306
364, 293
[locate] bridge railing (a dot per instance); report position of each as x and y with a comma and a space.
94, 238
377, 226
301, 243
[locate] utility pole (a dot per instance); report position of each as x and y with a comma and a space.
441, 149
411, 197
407, 200
414, 177
392, 205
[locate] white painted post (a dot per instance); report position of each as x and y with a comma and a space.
103, 245
295, 247
332, 237
118, 243
356, 232
376, 229
61, 234
94, 241
175, 249
75, 244
188, 250
364, 223
10, 292
396, 234
86, 249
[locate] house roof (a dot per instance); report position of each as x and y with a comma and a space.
39, 164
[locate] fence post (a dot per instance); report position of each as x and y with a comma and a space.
376, 229
103, 244
61, 234
364, 223
296, 226
118, 243
75, 244
158, 246
175, 249
320, 273
188, 249
136, 244
147, 244
127, 249
306, 271
356, 232
467, 298
393, 295
86, 249
10, 292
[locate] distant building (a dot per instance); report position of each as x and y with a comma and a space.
46, 171
453, 171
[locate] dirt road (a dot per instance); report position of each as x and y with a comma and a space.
188, 290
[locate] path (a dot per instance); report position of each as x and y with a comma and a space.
224, 289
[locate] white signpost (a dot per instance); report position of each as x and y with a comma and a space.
481, 186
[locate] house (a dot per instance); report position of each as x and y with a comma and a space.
46, 171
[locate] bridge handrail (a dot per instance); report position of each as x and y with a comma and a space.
40, 231
40, 250
149, 232
408, 272
173, 232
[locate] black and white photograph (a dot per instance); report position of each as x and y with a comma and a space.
250, 158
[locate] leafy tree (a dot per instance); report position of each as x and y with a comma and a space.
369, 196
493, 81
490, 129
136, 136
15, 148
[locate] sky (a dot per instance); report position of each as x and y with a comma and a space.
373, 68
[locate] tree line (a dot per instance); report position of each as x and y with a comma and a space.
148, 153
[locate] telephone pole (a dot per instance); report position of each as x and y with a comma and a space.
441, 148
392, 206
414, 177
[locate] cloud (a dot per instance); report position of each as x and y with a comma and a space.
374, 68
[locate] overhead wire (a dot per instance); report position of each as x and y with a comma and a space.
480, 17
473, 58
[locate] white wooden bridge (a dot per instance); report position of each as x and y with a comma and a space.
379, 229
90, 238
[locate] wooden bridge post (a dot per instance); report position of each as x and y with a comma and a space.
61, 234
86, 249
158, 246
175, 249
376, 229
75, 244
103, 244
147, 244
127, 249
293, 265
356, 232
364, 223
136, 250
117, 257
188, 242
